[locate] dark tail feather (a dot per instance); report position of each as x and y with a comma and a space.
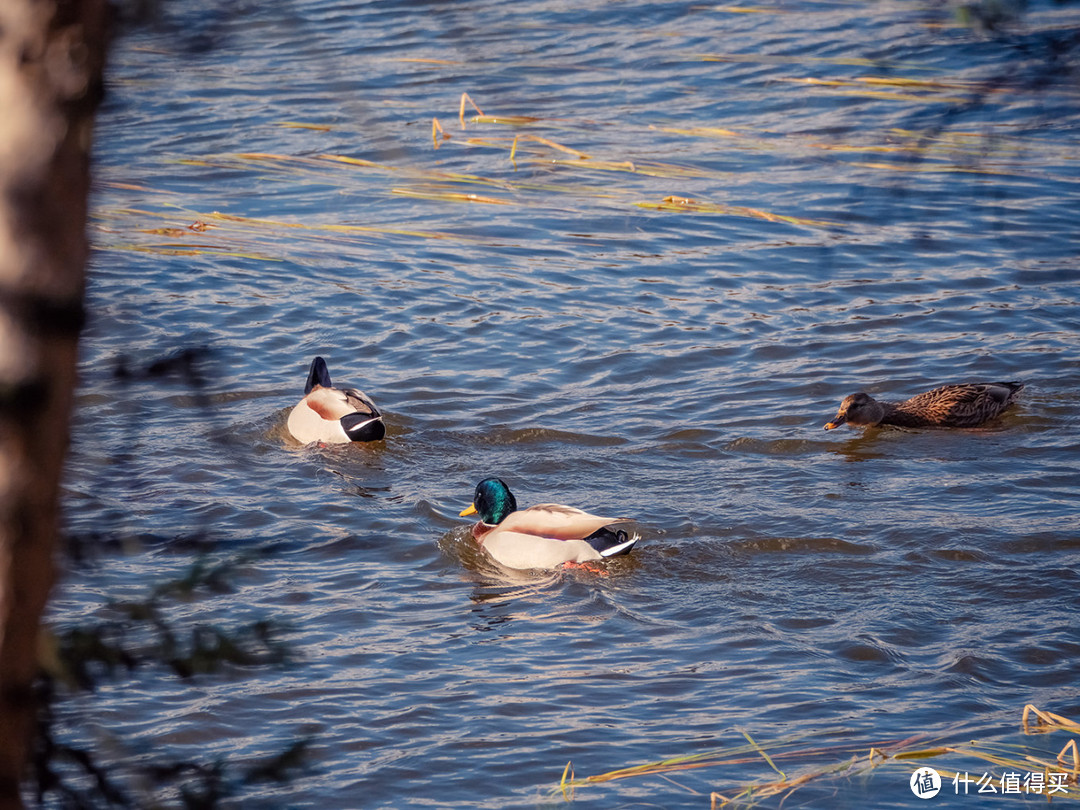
319, 375
611, 544
1013, 388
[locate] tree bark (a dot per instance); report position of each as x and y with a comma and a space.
51, 62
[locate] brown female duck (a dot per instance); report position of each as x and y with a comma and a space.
961, 405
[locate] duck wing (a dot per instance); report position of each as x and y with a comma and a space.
334, 403
963, 405
555, 521
360, 402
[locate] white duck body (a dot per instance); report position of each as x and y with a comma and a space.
333, 415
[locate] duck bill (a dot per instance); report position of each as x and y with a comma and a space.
835, 423
470, 511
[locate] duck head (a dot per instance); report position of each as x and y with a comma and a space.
859, 410
493, 501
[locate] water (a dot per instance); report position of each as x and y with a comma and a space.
857, 199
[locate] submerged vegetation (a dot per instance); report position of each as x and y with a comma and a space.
572, 177
994, 765
525, 159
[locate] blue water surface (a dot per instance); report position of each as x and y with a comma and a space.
639, 283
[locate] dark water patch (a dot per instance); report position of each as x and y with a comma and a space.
960, 555
543, 436
801, 545
774, 447
863, 653
796, 623
1047, 543
979, 667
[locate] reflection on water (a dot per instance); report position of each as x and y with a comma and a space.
644, 291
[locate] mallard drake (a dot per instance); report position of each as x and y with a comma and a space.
961, 405
543, 536
333, 415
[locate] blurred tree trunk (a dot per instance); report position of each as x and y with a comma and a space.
51, 60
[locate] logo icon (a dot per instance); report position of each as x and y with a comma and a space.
925, 783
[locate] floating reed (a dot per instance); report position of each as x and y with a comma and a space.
1060, 776
461, 110
436, 131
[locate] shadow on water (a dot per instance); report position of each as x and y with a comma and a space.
123, 639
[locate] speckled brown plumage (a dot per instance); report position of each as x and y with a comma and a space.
962, 405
